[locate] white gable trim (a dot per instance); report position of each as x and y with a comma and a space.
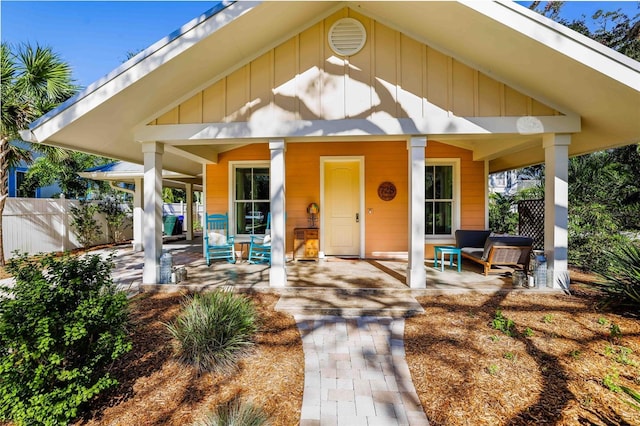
573, 44
138, 67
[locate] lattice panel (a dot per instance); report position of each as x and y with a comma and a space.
531, 221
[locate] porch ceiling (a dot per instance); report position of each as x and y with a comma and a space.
503, 40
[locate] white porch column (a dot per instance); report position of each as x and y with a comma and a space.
138, 210
486, 194
188, 217
277, 272
152, 233
203, 218
416, 271
556, 209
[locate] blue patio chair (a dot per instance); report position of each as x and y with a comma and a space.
219, 245
260, 246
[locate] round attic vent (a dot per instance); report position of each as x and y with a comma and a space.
347, 36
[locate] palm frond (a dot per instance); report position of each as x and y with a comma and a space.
43, 76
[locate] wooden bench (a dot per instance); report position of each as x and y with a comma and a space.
488, 250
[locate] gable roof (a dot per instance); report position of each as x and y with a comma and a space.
505, 41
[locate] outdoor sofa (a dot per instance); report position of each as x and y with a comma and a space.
491, 250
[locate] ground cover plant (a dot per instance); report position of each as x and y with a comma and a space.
61, 327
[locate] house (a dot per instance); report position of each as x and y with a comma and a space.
510, 182
389, 115
18, 174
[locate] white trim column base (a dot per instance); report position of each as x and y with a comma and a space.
138, 212
277, 272
416, 270
556, 209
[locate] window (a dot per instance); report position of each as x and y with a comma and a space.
21, 177
251, 203
441, 215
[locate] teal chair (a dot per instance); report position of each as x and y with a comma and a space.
219, 245
260, 247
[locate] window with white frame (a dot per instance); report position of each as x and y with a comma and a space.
250, 203
441, 198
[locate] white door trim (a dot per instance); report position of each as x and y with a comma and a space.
335, 159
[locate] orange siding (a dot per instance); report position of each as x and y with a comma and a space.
387, 224
386, 227
472, 187
217, 184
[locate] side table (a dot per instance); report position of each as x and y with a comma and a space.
451, 251
244, 245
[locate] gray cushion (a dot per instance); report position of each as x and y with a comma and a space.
471, 238
473, 251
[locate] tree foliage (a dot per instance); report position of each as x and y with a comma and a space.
604, 187
34, 80
612, 28
45, 172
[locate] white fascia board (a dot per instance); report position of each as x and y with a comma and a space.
131, 175
562, 39
138, 67
435, 125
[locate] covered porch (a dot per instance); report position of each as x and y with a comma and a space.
331, 273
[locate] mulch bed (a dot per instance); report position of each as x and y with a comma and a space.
157, 390
466, 372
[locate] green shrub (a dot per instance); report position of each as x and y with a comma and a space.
84, 223
503, 215
61, 326
592, 228
233, 413
214, 330
622, 282
117, 214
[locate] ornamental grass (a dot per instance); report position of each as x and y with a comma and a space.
235, 413
214, 330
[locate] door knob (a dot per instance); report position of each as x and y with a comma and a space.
357, 217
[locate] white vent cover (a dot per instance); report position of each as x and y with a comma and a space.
347, 36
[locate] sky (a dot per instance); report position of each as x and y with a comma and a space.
94, 37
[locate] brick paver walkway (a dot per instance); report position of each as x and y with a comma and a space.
356, 372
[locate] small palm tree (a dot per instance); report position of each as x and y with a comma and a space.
34, 81
622, 282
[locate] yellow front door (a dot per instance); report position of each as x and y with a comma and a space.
342, 208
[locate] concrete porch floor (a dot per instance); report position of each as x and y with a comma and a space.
330, 273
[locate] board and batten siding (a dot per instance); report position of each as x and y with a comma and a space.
393, 76
386, 225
